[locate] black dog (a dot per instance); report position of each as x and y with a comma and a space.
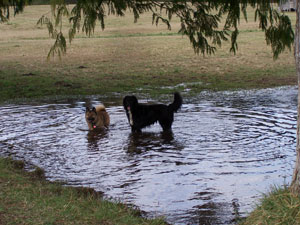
140, 115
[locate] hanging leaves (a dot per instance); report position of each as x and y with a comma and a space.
16, 5
280, 34
207, 24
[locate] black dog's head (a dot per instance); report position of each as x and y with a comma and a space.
129, 102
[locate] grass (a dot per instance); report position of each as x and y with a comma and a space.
26, 198
278, 207
132, 57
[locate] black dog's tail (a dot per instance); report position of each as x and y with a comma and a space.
176, 103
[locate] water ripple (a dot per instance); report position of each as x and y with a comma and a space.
226, 148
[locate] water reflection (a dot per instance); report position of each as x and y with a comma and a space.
94, 137
226, 149
151, 141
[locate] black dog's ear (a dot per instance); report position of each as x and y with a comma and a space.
135, 100
87, 109
94, 109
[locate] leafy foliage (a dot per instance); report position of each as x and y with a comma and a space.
280, 35
6, 5
201, 20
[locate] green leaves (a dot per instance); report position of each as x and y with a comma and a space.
59, 47
45, 20
156, 17
280, 35
277, 27
16, 5
201, 24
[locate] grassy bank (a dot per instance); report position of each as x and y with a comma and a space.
26, 198
132, 57
277, 207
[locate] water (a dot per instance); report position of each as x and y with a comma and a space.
226, 149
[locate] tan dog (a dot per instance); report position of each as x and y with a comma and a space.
97, 117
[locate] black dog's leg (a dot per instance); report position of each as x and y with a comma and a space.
167, 128
166, 122
135, 129
166, 125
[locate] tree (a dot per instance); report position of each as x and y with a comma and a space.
202, 22
295, 185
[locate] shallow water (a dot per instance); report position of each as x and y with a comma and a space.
226, 149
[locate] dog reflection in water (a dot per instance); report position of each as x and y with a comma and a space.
139, 142
97, 117
95, 139
142, 115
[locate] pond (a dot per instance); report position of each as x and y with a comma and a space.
226, 149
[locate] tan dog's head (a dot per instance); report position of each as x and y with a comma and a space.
91, 116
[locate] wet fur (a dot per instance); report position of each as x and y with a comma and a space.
97, 116
141, 115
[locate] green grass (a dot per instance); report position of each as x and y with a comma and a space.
278, 207
26, 198
41, 83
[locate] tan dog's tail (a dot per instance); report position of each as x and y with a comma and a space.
100, 109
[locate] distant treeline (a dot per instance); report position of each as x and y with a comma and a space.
47, 2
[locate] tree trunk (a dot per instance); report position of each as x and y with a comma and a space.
295, 185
